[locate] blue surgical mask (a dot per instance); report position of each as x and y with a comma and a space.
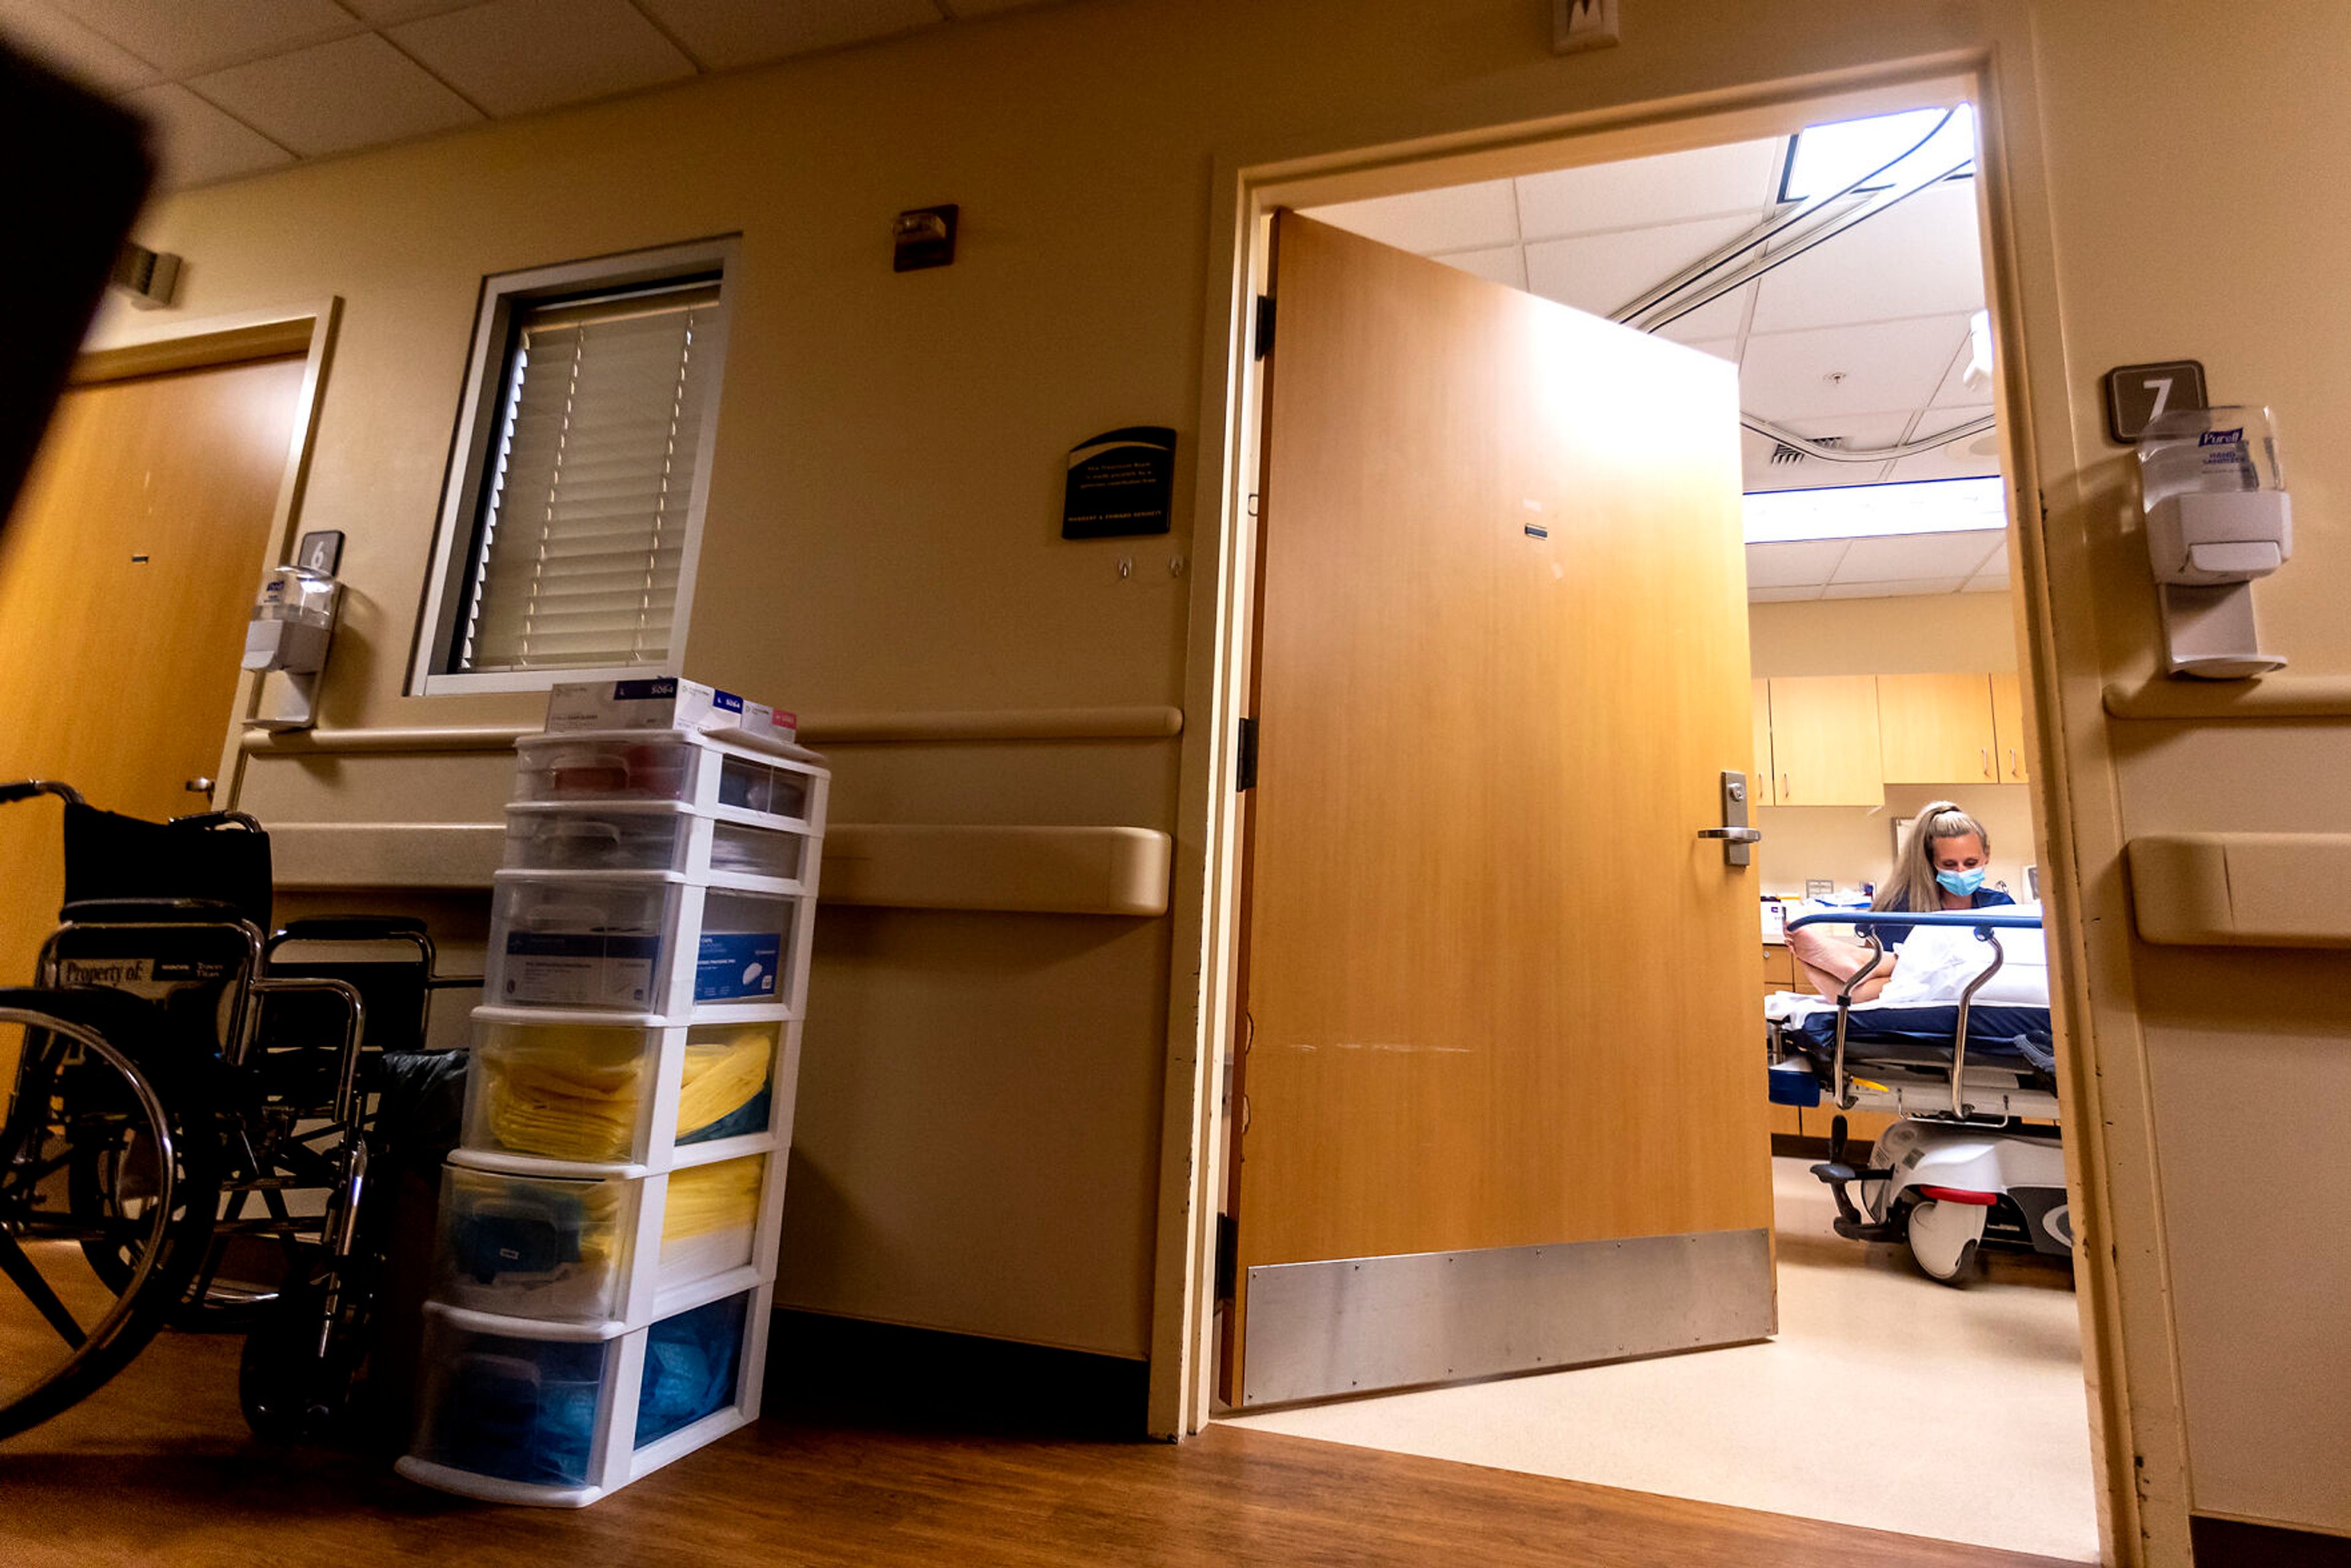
1960, 881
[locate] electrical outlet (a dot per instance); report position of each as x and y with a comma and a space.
1582, 25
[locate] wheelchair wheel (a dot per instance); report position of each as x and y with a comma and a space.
66, 1326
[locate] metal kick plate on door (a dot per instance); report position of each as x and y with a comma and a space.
1354, 1324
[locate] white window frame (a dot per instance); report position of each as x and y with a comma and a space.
504, 295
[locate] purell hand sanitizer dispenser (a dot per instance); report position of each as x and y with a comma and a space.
2217, 517
293, 624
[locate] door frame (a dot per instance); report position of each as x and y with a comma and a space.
139, 349
2129, 1341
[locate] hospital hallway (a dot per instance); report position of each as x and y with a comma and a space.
1886, 1401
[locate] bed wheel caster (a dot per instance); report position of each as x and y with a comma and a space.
1943, 1237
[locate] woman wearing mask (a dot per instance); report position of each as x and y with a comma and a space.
1942, 865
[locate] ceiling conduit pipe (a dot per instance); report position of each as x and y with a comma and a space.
1688, 290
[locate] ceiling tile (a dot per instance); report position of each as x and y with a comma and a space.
1969, 458
1722, 318
1720, 348
1858, 431
1795, 563
723, 34
65, 45
1782, 595
1987, 582
1706, 182
1886, 365
1901, 590
1921, 258
200, 144
1458, 217
189, 36
1504, 264
1903, 556
332, 97
1600, 272
515, 56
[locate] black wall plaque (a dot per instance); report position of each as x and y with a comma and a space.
1121, 483
2136, 394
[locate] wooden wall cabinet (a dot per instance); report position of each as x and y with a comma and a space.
1825, 741
2011, 749
1937, 730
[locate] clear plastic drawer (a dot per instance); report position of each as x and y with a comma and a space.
573, 1088
542, 1417
648, 944
537, 1247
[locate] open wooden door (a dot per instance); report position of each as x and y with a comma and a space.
126, 581
1502, 1089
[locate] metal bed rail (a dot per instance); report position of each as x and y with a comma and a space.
1984, 923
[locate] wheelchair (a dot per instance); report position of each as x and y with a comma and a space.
196, 1106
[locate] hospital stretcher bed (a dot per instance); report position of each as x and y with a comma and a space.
1960, 1170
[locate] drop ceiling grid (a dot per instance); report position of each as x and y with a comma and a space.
239, 86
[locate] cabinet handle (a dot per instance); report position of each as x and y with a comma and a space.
2013, 770
1986, 756
1786, 794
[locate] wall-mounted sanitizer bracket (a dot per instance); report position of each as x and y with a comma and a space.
2218, 518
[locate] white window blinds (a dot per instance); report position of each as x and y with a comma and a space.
583, 520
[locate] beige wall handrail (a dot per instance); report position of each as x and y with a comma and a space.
2271, 697
1006, 869
2241, 890
1135, 723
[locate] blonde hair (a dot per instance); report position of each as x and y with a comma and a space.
1913, 887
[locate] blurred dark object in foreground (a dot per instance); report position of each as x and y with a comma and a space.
73, 170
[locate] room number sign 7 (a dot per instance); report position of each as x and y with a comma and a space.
2138, 395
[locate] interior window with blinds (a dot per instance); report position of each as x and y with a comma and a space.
581, 529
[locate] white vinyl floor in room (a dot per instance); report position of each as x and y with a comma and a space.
1886, 1400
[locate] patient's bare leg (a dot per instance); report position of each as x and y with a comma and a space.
1827, 962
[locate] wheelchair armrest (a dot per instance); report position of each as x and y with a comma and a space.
26, 789
350, 928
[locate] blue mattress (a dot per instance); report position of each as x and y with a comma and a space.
2013, 1036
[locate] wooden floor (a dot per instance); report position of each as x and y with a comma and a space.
157, 1469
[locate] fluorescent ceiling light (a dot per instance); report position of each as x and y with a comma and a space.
1828, 158
1866, 511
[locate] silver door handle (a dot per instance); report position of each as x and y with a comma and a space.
198, 787
1733, 835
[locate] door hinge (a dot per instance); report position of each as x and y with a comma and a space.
1264, 325
1245, 757
1229, 1256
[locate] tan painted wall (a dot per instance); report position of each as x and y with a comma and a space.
1916, 635
1911, 636
881, 537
